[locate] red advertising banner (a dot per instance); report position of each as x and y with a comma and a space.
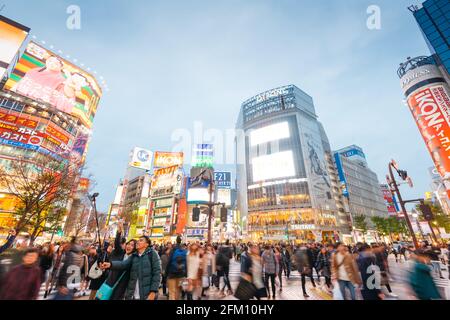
387, 195
21, 121
182, 216
57, 135
430, 108
32, 137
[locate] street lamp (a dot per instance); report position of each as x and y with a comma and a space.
393, 185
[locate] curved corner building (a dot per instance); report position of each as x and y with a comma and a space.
285, 192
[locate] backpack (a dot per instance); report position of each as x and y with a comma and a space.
178, 262
222, 258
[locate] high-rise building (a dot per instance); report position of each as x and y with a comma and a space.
360, 186
284, 188
47, 108
434, 21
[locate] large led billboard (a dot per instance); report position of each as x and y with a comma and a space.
270, 133
12, 35
46, 77
276, 165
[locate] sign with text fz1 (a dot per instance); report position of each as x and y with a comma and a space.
222, 179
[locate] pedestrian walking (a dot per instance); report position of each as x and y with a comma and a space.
345, 271
23, 281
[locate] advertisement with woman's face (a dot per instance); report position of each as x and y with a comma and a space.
46, 77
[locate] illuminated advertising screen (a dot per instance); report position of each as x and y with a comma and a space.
276, 165
270, 133
167, 159
203, 156
12, 35
198, 195
166, 181
44, 76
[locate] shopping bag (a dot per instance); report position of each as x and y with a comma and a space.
245, 290
337, 294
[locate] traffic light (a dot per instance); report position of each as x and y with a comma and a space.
223, 214
426, 211
196, 214
403, 174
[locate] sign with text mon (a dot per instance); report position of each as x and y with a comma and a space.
167, 159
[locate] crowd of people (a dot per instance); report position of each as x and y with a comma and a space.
139, 270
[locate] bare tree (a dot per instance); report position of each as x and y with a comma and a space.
42, 187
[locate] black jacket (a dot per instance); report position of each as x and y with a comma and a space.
118, 254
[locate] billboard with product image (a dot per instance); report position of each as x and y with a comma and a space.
44, 76
167, 159
12, 35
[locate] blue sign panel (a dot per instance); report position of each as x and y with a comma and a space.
222, 179
341, 173
353, 152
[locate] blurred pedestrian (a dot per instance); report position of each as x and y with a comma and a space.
421, 280
345, 271
23, 281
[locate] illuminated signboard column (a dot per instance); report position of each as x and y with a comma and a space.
12, 35
428, 97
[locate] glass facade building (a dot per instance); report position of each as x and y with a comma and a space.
284, 186
434, 20
360, 185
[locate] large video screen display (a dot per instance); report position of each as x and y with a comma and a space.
46, 77
272, 166
272, 132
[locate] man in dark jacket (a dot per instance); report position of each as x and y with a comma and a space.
370, 274
23, 281
286, 261
122, 251
223, 258
145, 271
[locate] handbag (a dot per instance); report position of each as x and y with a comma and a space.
105, 292
95, 272
245, 290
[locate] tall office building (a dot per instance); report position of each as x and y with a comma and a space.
360, 186
434, 20
283, 183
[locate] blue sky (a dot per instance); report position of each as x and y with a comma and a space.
170, 63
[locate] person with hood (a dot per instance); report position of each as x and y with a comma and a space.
421, 280
23, 281
145, 271
371, 279
69, 274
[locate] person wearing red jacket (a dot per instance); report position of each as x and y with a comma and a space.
23, 281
